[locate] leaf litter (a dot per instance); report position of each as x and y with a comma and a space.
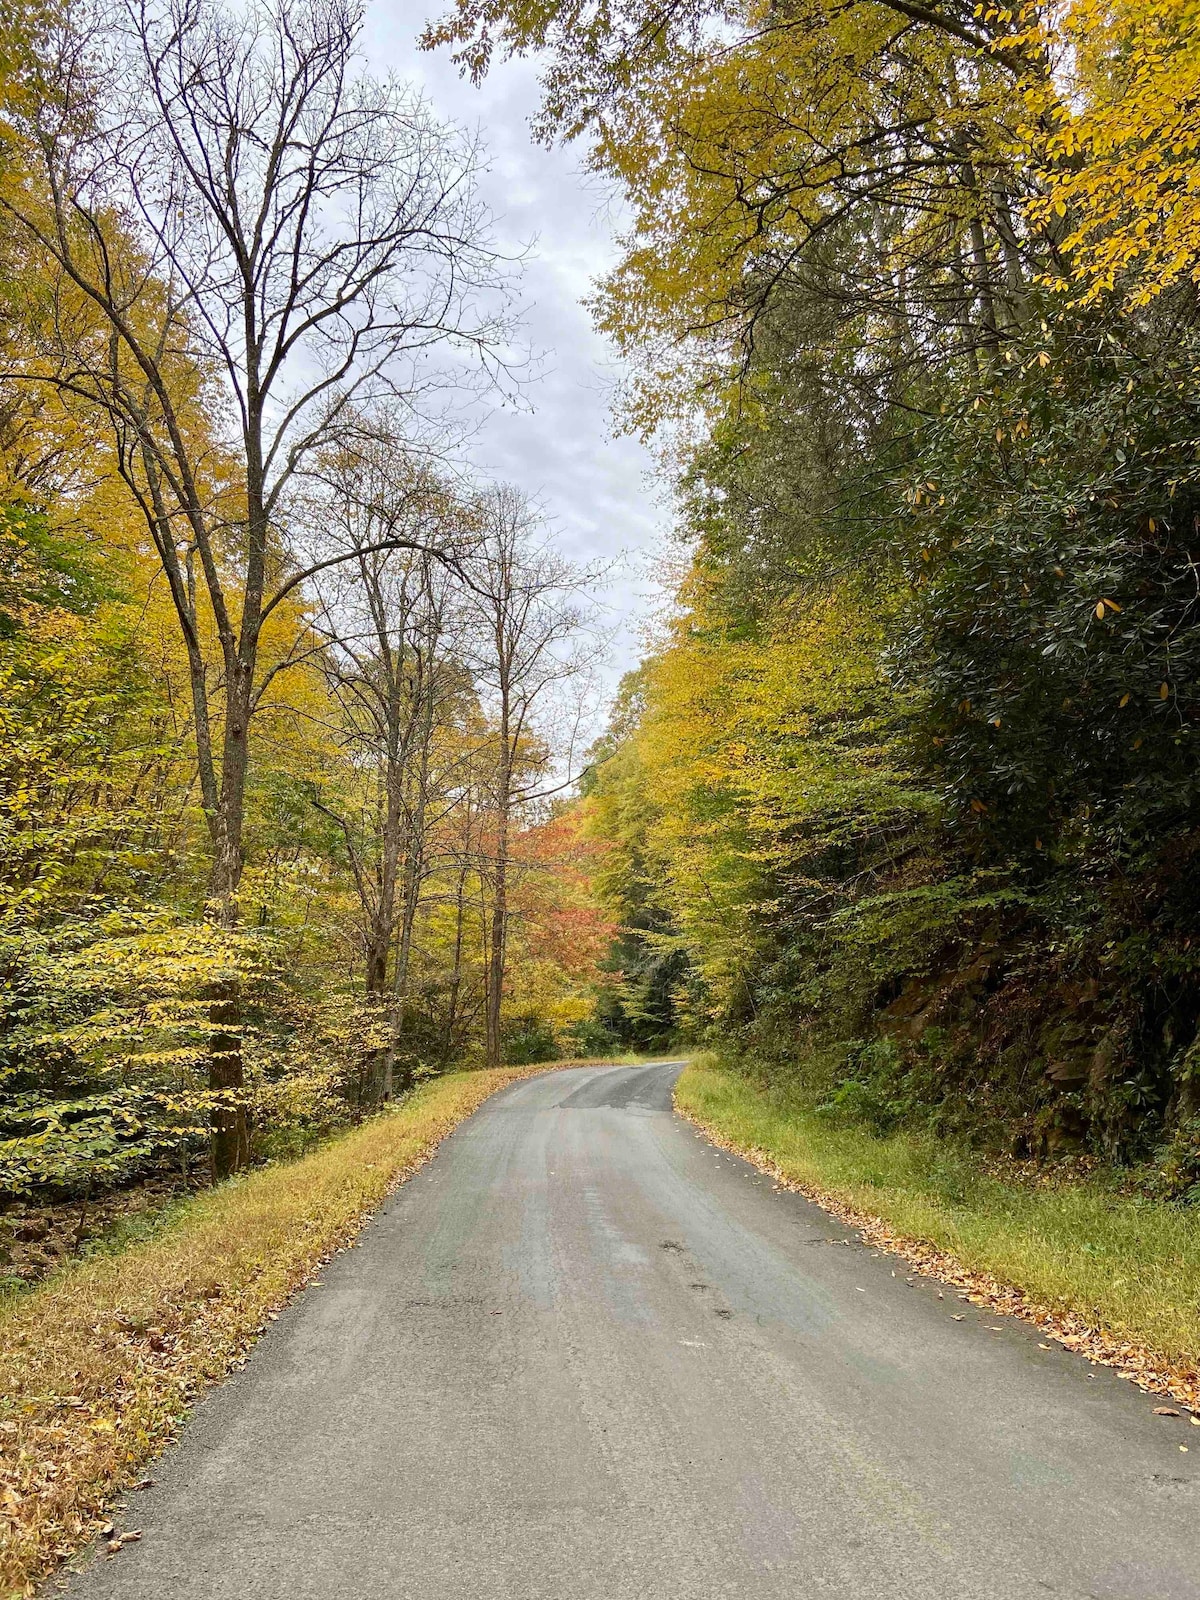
1149, 1369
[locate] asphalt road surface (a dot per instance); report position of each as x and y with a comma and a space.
583, 1355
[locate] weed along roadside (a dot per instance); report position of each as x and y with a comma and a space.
1114, 1277
99, 1364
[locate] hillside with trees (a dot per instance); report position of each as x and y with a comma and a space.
905, 799
903, 802
317, 830
282, 688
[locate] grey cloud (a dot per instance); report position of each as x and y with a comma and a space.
597, 489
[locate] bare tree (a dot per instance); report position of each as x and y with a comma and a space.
251, 242
525, 598
392, 621
462, 999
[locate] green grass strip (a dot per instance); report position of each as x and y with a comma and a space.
1127, 1265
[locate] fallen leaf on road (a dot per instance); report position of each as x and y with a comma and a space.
1165, 1411
958, 1316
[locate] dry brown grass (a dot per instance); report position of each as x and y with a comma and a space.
99, 1364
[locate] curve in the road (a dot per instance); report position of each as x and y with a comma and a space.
584, 1355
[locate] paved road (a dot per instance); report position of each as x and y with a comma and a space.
585, 1356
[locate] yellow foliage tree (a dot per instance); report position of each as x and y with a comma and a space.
1123, 121
752, 758
750, 137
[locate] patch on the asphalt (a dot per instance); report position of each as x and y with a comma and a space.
671, 1244
1167, 1483
722, 1311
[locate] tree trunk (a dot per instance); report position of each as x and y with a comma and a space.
495, 980
384, 922
460, 910
456, 970
230, 1142
496, 970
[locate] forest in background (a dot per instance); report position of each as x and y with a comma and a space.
895, 828
904, 805
901, 807
287, 700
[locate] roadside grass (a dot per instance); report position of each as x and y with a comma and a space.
1126, 1266
99, 1363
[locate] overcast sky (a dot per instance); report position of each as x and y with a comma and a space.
561, 448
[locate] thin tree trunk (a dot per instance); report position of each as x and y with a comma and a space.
495, 982
414, 867
230, 1143
1014, 271
414, 862
981, 264
383, 923
456, 971
460, 910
